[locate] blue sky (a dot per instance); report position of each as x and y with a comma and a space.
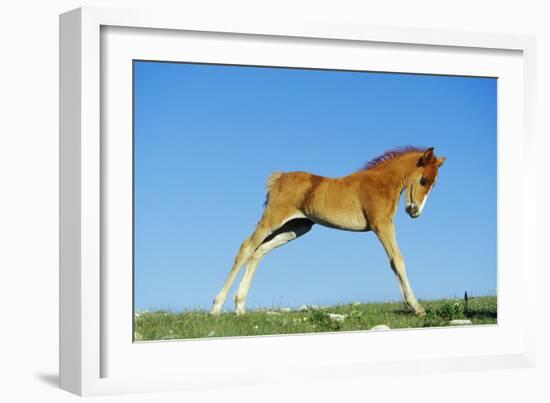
208, 136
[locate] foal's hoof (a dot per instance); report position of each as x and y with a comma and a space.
420, 312
216, 311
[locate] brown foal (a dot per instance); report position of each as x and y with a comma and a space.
366, 200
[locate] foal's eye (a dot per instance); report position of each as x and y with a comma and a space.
423, 181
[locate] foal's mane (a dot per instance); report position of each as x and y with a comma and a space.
391, 154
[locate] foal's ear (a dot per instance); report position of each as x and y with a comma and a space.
426, 158
439, 161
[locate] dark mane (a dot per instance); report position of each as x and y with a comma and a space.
390, 154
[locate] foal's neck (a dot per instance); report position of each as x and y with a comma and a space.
396, 171
391, 178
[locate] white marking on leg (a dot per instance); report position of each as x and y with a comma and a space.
244, 286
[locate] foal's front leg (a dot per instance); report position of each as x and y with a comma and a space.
386, 234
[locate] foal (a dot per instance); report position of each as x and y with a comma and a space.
363, 201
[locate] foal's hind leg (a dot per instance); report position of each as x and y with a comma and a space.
288, 232
245, 251
266, 226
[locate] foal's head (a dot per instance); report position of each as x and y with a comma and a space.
420, 182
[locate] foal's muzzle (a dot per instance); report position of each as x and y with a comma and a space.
412, 210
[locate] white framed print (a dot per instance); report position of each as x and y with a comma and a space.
190, 149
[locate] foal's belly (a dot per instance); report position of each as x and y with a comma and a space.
341, 220
346, 226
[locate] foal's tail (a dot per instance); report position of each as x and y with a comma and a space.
271, 181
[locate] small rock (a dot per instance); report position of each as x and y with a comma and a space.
356, 303
381, 327
285, 309
272, 313
303, 308
459, 322
337, 317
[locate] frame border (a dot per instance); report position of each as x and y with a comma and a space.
80, 307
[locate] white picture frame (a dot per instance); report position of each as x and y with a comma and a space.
93, 347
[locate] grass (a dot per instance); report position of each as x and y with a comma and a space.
163, 325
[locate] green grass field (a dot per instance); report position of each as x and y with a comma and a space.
163, 325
